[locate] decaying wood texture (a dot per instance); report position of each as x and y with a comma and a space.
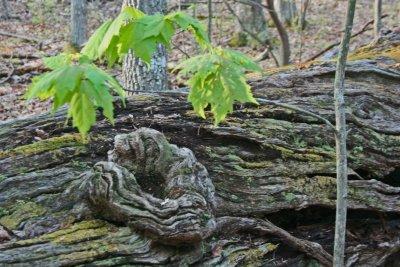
164, 187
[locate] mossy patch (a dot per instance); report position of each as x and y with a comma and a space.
252, 256
141, 97
82, 231
3, 212
238, 40
50, 144
372, 52
308, 155
21, 212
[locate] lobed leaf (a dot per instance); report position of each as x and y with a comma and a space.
218, 81
82, 111
83, 86
91, 49
187, 22
58, 61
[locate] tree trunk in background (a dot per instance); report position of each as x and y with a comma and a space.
5, 12
78, 23
287, 11
377, 18
304, 7
210, 19
285, 45
341, 139
136, 75
250, 24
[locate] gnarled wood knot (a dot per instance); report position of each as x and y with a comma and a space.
154, 187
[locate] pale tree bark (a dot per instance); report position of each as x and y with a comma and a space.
137, 75
304, 7
251, 23
341, 138
287, 11
377, 18
210, 19
5, 12
78, 23
285, 45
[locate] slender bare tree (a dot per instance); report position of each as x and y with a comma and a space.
285, 45
78, 23
341, 137
377, 18
251, 23
303, 13
287, 11
137, 75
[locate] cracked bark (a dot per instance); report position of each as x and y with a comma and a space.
78, 23
137, 75
185, 192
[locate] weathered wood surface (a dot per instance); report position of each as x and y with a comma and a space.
205, 195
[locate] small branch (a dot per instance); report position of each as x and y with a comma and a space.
227, 225
267, 43
32, 39
264, 55
19, 56
285, 45
329, 47
181, 50
252, 3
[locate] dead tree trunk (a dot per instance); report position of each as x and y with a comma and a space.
175, 190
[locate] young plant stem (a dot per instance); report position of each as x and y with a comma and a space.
340, 138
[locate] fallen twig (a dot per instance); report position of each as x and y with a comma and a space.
329, 47
23, 37
267, 43
234, 224
19, 56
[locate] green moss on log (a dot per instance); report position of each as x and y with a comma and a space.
374, 51
50, 144
79, 232
21, 212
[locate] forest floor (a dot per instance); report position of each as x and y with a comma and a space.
48, 21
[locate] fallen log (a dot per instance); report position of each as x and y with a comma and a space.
164, 187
